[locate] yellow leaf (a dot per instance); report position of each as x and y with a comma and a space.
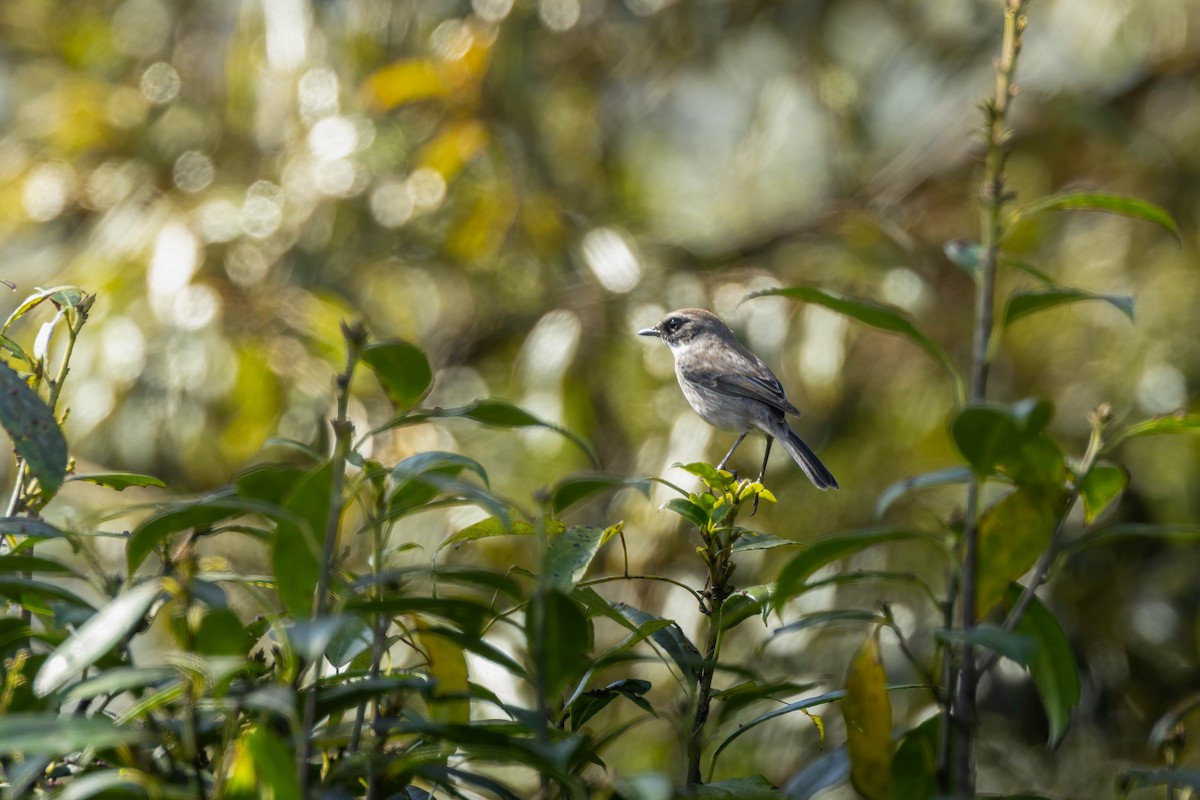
406, 82
868, 713
453, 146
1012, 534
448, 665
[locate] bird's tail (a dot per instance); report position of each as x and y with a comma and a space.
803, 455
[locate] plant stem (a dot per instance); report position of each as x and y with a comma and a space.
993, 197
343, 430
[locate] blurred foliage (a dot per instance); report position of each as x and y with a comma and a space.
515, 187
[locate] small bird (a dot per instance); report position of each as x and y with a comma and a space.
732, 389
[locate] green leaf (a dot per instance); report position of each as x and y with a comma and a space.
48, 734
877, 315
202, 513
351, 638
274, 762
30, 528
436, 461
268, 483
867, 709
1101, 486
16, 349
833, 617
754, 540
799, 705
118, 480
565, 637
296, 547
754, 788
821, 774
817, 554
591, 703
914, 765
689, 511
1100, 201
1024, 303
1176, 423
25, 590
569, 555
1131, 779
116, 680
108, 626
1182, 532
671, 639
493, 526
402, 370
1009, 438
110, 784
744, 604
23, 563
34, 432
926, 480
61, 295
489, 411
1015, 647
1053, 666
1012, 534
570, 491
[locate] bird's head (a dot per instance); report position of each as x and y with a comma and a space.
682, 327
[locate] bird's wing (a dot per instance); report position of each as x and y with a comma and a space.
752, 380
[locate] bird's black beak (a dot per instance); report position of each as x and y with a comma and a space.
649, 332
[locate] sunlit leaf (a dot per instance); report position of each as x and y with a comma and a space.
116, 680
446, 664
1100, 487
60, 295
1100, 201
867, 709
1024, 303
405, 82
402, 369
877, 315
33, 734
118, 480
1176, 423
453, 147
493, 526
755, 540
94, 638
569, 555
689, 511
1012, 534
1053, 665
34, 431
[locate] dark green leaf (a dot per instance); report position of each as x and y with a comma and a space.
914, 765
469, 615
1053, 666
202, 513
671, 639
744, 604
570, 491
799, 705
34, 432
877, 315
436, 461
569, 555
1131, 779
689, 511
565, 637
402, 369
986, 436
118, 480
274, 762
297, 544
1181, 533
1101, 201
22, 563
25, 590
16, 349
1022, 304
472, 643
221, 633
33, 734
269, 483
926, 480
348, 641
817, 554
819, 775
97, 636
591, 703
1010, 438
1101, 486
1013, 646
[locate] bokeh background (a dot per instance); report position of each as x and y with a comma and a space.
517, 186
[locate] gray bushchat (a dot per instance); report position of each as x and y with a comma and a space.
732, 389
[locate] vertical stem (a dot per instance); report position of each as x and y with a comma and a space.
343, 430
993, 198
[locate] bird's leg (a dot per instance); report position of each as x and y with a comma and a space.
721, 466
763, 471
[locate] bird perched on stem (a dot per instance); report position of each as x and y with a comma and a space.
732, 389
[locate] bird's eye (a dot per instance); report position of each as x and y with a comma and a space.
672, 324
